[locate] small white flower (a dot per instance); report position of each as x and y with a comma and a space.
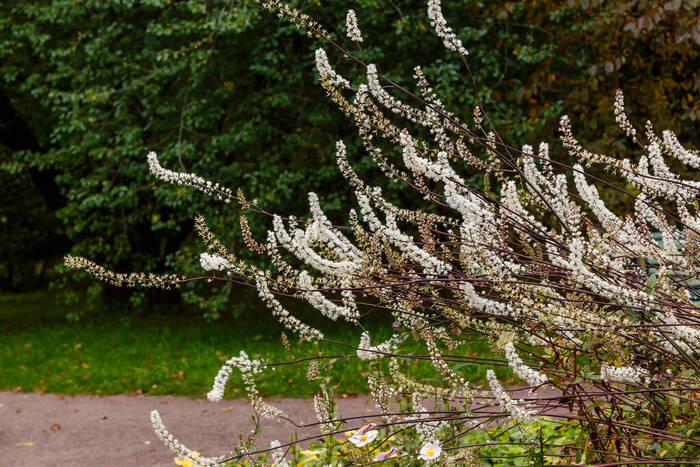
214, 262
430, 451
364, 436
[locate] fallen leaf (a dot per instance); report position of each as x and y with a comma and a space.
227, 409
27, 444
55, 427
85, 365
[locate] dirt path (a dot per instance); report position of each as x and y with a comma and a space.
85, 431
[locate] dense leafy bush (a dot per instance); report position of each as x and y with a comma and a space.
218, 88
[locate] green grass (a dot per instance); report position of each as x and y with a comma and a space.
166, 352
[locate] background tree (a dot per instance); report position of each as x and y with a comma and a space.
219, 89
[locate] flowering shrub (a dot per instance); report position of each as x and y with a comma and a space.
594, 313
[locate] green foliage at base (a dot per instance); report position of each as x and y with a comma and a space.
522, 445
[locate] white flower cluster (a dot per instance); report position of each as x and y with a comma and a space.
180, 449
621, 116
324, 305
485, 305
515, 408
277, 455
624, 374
614, 290
323, 412
688, 337
391, 233
248, 368
278, 311
326, 71
442, 366
386, 99
301, 243
533, 377
383, 394
427, 430
366, 351
690, 158
210, 262
443, 31
187, 179
353, 30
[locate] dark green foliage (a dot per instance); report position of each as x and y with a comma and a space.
227, 91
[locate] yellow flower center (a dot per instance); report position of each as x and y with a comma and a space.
429, 452
363, 437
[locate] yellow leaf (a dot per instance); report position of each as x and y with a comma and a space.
182, 462
313, 457
27, 444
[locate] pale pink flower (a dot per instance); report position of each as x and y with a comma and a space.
384, 455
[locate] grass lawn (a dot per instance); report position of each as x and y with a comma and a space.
161, 352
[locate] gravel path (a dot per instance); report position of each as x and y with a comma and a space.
85, 431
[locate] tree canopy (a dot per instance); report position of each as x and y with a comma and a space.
89, 87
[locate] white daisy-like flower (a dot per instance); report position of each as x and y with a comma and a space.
430, 451
364, 435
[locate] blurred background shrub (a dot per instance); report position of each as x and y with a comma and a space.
87, 88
